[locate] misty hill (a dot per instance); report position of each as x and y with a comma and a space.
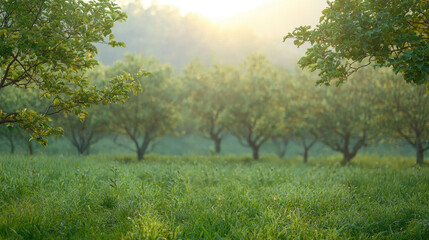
162, 31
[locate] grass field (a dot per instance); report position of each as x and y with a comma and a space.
192, 197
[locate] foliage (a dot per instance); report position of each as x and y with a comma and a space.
406, 113
83, 133
13, 136
303, 109
349, 115
152, 114
48, 45
352, 34
284, 132
13, 99
254, 111
195, 197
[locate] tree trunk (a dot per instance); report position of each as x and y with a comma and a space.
80, 150
255, 151
281, 144
86, 148
30, 148
420, 154
347, 157
140, 154
12, 145
217, 145
307, 148
306, 155
141, 150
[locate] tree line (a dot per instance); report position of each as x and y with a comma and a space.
48, 47
255, 101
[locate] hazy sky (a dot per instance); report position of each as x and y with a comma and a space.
213, 9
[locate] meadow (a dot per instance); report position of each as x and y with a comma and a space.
217, 197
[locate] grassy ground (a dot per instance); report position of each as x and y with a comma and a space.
191, 197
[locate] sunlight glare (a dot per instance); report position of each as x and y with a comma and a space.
213, 9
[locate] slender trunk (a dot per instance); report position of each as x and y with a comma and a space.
83, 149
307, 148
86, 147
12, 145
281, 154
420, 154
140, 154
255, 151
281, 146
80, 150
30, 147
305, 155
217, 145
141, 150
347, 157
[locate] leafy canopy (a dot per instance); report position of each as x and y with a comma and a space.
352, 34
205, 93
149, 116
255, 113
48, 45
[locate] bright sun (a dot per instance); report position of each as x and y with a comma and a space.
213, 9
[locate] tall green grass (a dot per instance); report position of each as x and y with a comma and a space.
194, 197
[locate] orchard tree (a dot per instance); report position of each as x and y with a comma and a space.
406, 113
14, 137
303, 108
352, 34
8, 138
284, 134
205, 91
12, 99
83, 133
281, 142
48, 45
148, 116
348, 116
254, 112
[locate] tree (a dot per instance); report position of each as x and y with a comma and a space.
281, 143
12, 99
406, 113
8, 135
284, 135
353, 34
48, 45
205, 92
254, 112
303, 107
14, 137
349, 115
153, 114
83, 133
